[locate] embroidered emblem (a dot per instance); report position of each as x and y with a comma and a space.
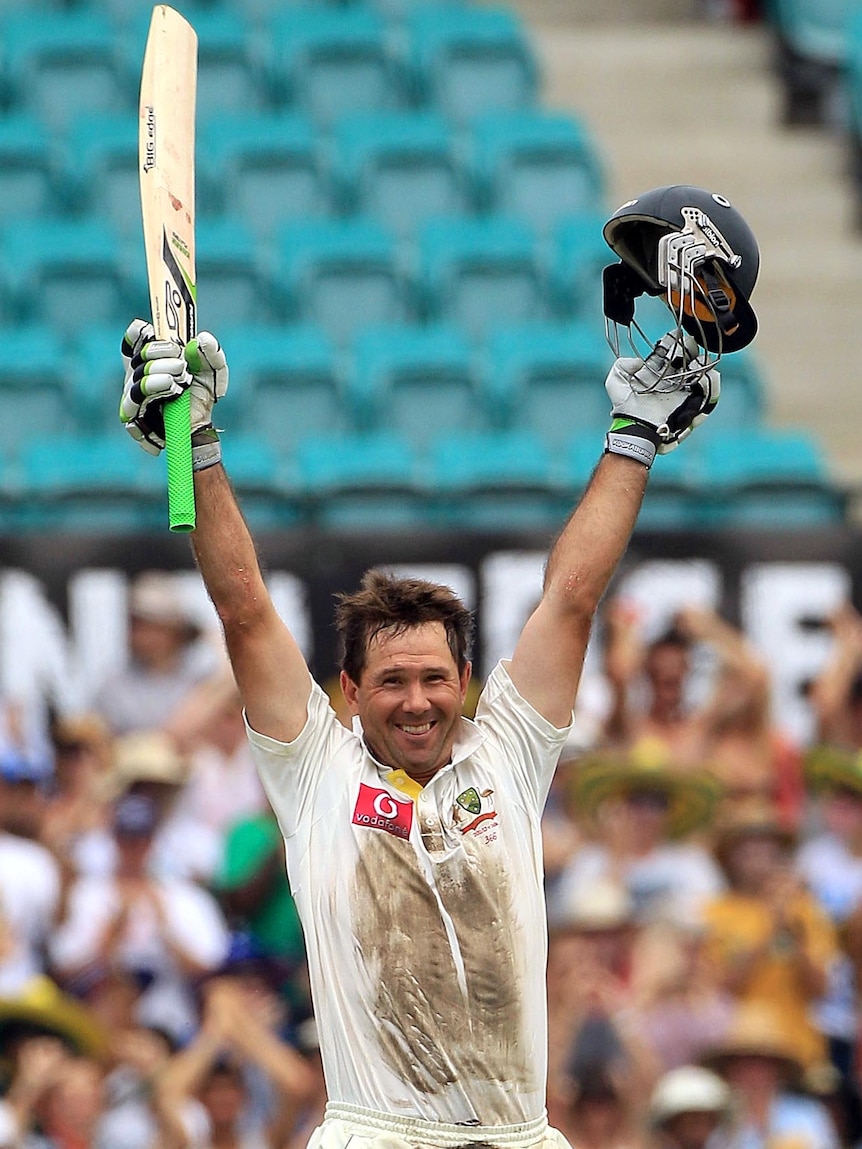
470, 801
481, 807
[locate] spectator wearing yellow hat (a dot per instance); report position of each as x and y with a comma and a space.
771, 942
640, 811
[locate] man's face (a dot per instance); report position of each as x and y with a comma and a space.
693, 1129
667, 668
409, 698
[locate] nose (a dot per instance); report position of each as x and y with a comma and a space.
415, 697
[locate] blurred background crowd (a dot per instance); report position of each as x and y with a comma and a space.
704, 889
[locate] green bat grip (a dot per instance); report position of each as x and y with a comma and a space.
178, 451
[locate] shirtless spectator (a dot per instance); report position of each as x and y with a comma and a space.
836, 694
731, 731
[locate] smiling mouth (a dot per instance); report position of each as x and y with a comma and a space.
423, 728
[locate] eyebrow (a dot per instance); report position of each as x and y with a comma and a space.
389, 671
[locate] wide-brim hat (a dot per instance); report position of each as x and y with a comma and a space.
155, 596
41, 1008
756, 1030
830, 768
692, 794
596, 906
145, 756
688, 1089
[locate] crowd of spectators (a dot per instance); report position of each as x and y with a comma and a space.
704, 888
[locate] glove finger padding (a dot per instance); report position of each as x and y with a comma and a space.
209, 377
155, 371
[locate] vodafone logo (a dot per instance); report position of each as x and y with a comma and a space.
378, 810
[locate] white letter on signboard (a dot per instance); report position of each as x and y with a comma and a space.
777, 601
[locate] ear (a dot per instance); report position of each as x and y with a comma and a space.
465, 676
350, 690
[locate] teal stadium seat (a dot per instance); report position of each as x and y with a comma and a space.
397, 11
540, 165
481, 273
99, 482
69, 273
232, 284
415, 381
100, 169
466, 60
767, 478
330, 60
360, 481
286, 384
60, 65
266, 169
231, 76
577, 258
742, 402
28, 168
549, 379
257, 474
400, 167
93, 375
494, 480
341, 274
33, 388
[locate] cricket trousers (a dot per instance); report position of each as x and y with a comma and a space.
345, 1125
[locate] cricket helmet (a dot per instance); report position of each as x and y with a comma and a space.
693, 247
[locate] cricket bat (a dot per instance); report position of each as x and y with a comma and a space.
167, 177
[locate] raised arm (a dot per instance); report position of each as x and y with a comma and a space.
268, 665
546, 666
655, 404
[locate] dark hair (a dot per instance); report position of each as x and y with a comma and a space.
384, 602
672, 637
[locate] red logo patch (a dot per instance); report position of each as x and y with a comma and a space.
378, 810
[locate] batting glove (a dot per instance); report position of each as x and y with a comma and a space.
657, 402
159, 370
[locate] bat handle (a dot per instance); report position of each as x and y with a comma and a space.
178, 451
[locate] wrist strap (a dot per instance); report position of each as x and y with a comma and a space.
636, 440
206, 448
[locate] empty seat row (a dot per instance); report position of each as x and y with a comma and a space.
291, 384
341, 274
267, 168
479, 481
325, 59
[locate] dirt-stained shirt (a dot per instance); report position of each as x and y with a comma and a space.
423, 910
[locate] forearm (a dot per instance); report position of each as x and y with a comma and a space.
185, 1071
225, 553
587, 552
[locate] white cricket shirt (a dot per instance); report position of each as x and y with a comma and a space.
424, 919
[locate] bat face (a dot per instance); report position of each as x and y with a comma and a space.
167, 130
167, 178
